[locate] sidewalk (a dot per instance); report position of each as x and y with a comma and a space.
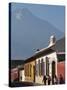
23, 84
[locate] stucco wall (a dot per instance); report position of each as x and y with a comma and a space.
14, 74
30, 78
22, 76
52, 57
61, 69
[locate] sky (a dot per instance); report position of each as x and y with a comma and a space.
20, 47
52, 13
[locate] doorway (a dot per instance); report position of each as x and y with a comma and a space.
47, 66
53, 69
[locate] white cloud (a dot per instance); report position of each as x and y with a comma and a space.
18, 15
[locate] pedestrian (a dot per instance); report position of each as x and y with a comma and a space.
52, 80
44, 79
55, 80
49, 79
61, 79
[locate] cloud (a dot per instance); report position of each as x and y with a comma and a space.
18, 15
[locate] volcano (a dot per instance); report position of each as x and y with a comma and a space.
29, 32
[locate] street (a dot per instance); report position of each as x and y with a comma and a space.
23, 84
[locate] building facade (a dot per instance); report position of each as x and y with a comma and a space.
14, 75
44, 62
29, 69
46, 65
60, 50
21, 74
61, 64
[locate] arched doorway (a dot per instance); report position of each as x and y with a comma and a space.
47, 66
53, 69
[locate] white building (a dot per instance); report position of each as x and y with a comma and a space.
22, 76
21, 73
46, 61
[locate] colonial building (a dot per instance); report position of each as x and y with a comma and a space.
16, 67
44, 62
29, 68
60, 50
14, 75
21, 73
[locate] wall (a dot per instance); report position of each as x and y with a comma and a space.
29, 78
61, 69
14, 74
52, 57
22, 76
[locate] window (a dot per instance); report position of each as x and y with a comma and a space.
39, 66
30, 69
53, 68
42, 67
40, 70
61, 57
37, 69
26, 70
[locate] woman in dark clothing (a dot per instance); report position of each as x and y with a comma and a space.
53, 80
61, 79
44, 79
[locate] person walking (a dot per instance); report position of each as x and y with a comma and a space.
61, 80
49, 80
55, 80
44, 79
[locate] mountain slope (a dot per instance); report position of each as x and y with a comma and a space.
28, 33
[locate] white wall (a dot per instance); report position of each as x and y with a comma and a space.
22, 75
52, 57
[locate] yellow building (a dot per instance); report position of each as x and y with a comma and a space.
29, 68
